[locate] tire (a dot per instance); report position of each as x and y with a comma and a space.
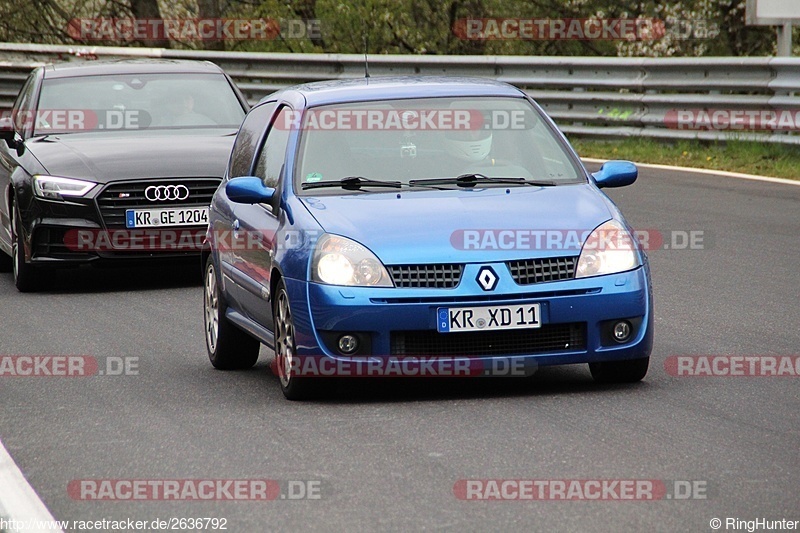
229, 348
629, 371
27, 277
293, 387
6, 262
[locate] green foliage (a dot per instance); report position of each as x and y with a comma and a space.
422, 26
749, 157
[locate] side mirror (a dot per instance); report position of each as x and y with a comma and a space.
616, 174
7, 132
249, 190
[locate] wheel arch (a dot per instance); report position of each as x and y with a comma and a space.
275, 276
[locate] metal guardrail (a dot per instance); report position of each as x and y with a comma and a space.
590, 96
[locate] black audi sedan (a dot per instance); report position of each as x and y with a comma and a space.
112, 161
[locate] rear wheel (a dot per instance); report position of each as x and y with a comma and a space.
27, 277
629, 371
229, 348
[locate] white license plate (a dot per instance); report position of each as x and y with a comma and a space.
487, 318
166, 217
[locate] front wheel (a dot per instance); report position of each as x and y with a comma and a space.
229, 348
27, 277
628, 371
286, 362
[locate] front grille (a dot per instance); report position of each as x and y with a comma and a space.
117, 197
426, 276
530, 271
548, 338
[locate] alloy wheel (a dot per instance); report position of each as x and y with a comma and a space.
211, 301
284, 342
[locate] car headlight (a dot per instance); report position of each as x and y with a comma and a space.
608, 249
341, 261
53, 188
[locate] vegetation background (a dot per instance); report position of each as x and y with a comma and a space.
403, 26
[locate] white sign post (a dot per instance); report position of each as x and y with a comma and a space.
780, 13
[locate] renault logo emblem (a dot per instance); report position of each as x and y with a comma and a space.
487, 278
156, 193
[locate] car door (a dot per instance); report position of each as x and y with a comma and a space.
226, 235
21, 115
259, 223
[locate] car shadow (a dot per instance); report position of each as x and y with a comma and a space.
547, 381
143, 277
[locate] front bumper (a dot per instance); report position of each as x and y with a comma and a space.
84, 230
580, 311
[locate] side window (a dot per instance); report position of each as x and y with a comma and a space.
22, 118
247, 141
271, 158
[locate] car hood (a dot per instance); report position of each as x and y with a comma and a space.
113, 157
493, 224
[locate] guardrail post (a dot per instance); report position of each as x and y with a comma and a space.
785, 40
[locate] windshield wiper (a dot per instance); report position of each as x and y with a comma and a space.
44, 135
351, 183
472, 179
354, 183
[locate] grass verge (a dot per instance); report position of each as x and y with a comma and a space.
763, 159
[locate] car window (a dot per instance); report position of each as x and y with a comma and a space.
273, 153
248, 139
141, 101
429, 138
23, 104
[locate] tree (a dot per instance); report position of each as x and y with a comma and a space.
148, 9
409, 26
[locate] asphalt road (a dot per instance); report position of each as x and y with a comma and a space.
387, 455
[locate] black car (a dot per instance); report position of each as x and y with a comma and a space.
112, 161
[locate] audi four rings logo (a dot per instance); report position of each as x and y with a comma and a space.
156, 193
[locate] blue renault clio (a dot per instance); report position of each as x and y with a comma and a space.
419, 227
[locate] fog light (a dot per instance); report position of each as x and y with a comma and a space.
348, 344
622, 331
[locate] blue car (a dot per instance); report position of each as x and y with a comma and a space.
419, 227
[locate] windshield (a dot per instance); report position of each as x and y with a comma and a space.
137, 101
427, 139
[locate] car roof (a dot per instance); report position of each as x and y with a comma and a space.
397, 87
76, 69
